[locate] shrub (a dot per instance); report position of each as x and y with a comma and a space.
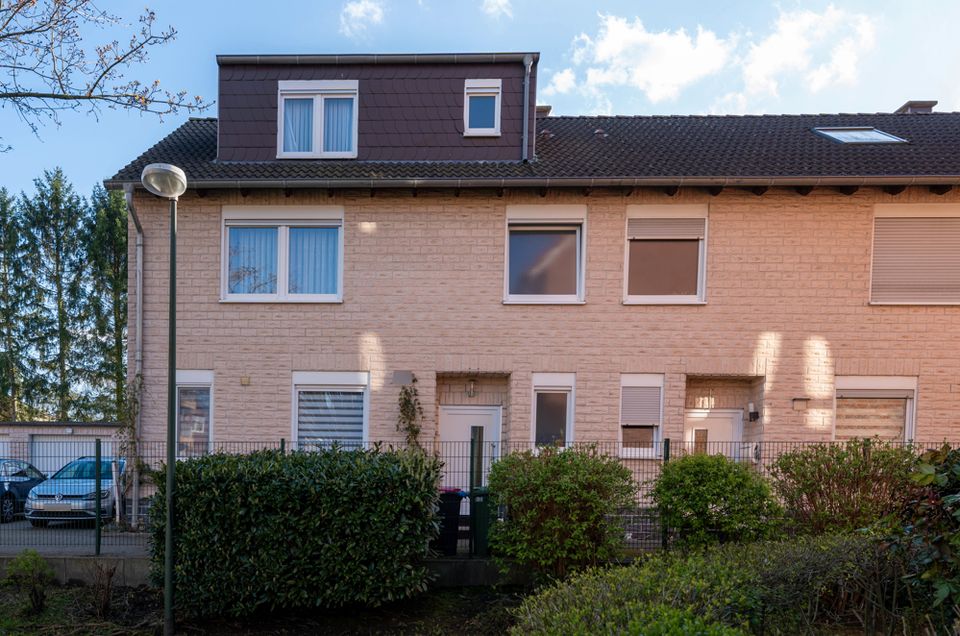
562, 508
706, 499
838, 487
30, 573
931, 530
765, 587
307, 529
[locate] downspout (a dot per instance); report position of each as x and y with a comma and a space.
527, 65
138, 347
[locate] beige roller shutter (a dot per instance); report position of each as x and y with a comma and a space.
916, 260
640, 406
644, 228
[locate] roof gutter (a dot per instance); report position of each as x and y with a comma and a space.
575, 182
400, 58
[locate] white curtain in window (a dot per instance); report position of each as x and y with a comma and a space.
338, 124
298, 125
314, 260
253, 260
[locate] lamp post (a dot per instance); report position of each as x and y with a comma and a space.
169, 182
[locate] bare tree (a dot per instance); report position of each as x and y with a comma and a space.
47, 67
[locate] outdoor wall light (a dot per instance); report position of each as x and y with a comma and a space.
471, 388
752, 414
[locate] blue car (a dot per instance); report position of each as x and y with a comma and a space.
17, 479
71, 494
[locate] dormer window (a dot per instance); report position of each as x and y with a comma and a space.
317, 119
481, 107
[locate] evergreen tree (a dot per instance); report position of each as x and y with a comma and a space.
53, 222
17, 309
106, 245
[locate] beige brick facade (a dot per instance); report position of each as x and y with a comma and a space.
787, 309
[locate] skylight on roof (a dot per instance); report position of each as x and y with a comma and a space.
858, 135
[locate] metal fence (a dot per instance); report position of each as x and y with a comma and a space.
57, 496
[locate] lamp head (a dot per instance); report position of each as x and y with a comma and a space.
164, 180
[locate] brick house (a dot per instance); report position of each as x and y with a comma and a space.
354, 220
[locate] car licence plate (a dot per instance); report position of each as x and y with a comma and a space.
57, 507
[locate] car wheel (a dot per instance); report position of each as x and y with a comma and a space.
8, 507
38, 523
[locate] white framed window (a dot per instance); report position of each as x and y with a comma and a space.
665, 255
552, 408
194, 413
881, 407
641, 414
916, 254
330, 408
545, 254
282, 254
481, 107
317, 119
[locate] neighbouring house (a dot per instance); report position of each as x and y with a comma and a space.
354, 220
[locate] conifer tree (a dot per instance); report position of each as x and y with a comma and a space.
54, 219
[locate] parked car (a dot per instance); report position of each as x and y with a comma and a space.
17, 479
71, 494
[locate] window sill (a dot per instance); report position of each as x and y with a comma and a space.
310, 155
282, 301
873, 303
663, 300
543, 301
481, 133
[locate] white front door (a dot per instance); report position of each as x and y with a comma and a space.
714, 431
469, 444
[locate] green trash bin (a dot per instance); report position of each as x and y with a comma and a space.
480, 520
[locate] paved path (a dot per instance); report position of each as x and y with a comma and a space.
67, 539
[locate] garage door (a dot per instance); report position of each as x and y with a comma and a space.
50, 453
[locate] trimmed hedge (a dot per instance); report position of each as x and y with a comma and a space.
562, 508
706, 499
306, 529
767, 587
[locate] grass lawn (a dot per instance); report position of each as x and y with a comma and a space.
139, 611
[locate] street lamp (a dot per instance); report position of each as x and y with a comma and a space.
169, 182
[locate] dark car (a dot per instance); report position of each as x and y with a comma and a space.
17, 479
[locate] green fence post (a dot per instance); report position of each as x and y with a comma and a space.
283, 446
97, 477
664, 531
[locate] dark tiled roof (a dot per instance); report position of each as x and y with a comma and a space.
694, 150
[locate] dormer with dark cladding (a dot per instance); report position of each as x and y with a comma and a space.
411, 107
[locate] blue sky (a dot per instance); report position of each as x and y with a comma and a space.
640, 57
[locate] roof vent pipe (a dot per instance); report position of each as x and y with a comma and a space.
527, 65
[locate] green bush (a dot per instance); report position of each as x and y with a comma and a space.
931, 526
562, 508
317, 529
30, 573
706, 499
838, 487
771, 587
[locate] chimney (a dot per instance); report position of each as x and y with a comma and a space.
543, 110
914, 107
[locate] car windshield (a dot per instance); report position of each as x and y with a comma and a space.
85, 469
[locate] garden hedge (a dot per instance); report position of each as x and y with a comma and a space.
318, 529
806, 585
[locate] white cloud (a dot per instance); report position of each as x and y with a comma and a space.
561, 83
497, 8
357, 15
660, 64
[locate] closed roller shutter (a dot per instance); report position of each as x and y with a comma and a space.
640, 406
916, 260
645, 228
